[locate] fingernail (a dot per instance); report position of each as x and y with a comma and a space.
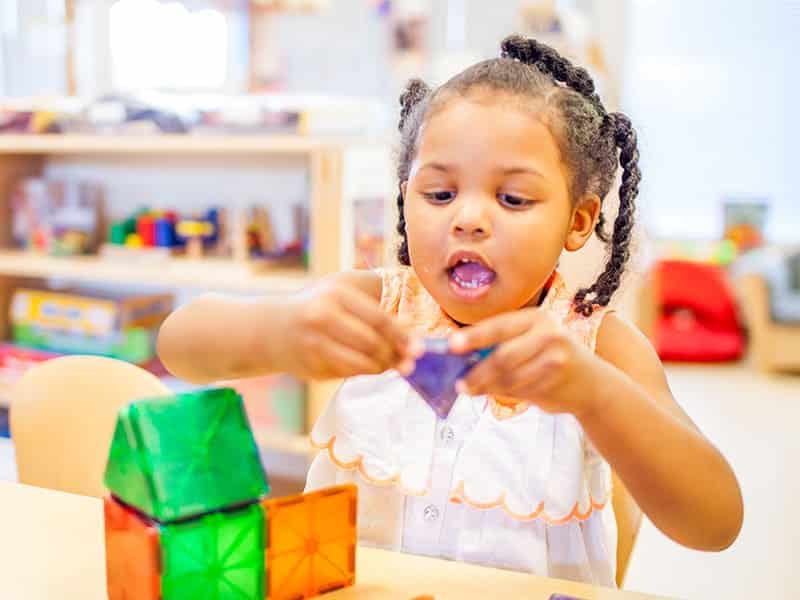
457, 341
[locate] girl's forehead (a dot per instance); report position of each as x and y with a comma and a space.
502, 130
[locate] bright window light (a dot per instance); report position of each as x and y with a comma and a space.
163, 46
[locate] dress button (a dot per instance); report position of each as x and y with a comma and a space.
431, 513
447, 435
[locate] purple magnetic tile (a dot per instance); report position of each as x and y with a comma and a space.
437, 371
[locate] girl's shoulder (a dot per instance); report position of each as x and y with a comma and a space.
560, 301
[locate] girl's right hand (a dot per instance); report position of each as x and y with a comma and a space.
335, 330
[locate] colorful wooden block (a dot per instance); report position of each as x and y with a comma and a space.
179, 457
219, 556
132, 554
311, 542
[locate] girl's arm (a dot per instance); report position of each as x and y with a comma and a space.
621, 397
333, 329
678, 478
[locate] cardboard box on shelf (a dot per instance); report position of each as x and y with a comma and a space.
120, 326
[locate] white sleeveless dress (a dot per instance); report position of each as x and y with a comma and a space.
508, 487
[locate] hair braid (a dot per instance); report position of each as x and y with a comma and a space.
609, 280
600, 228
547, 60
413, 95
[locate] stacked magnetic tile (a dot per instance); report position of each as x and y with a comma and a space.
187, 516
311, 543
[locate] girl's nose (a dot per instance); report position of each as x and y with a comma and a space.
472, 219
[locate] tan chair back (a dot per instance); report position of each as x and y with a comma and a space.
63, 414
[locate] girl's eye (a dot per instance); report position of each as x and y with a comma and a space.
513, 201
439, 197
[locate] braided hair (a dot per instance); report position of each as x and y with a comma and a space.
592, 141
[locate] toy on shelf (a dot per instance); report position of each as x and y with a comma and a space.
165, 231
259, 245
60, 218
15, 361
119, 326
187, 515
195, 233
5, 425
744, 223
28, 121
437, 371
368, 219
244, 234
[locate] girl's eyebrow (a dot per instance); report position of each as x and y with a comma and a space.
436, 166
522, 171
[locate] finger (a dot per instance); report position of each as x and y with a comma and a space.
486, 376
507, 357
503, 366
536, 374
491, 332
359, 336
339, 360
366, 309
489, 381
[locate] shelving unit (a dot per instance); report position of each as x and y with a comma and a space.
216, 273
182, 145
26, 155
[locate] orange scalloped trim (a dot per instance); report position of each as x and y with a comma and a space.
458, 495
358, 465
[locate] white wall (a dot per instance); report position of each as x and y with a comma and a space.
32, 44
711, 87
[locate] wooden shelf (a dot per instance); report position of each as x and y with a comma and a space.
185, 145
325, 157
206, 273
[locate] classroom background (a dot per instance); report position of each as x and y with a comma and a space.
151, 150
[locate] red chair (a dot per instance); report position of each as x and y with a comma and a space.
698, 320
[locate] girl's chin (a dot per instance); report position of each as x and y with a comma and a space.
470, 292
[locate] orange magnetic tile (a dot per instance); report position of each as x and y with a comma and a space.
311, 542
132, 554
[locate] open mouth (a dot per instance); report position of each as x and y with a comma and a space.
469, 275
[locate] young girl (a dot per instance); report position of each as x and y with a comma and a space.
500, 169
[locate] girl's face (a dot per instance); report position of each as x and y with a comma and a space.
488, 209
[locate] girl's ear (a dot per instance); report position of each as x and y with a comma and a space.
584, 217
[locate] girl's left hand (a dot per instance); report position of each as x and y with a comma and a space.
535, 360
